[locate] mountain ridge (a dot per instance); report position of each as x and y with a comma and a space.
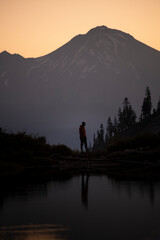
85, 79
93, 30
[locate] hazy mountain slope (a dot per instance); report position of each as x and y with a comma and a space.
84, 80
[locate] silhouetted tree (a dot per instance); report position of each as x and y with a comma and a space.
131, 117
101, 132
120, 120
106, 139
115, 126
94, 139
97, 141
126, 116
158, 105
147, 104
109, 128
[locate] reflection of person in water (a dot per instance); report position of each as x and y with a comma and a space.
84, 190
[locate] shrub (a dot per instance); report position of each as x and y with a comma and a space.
12, 144
61, 150
144, 140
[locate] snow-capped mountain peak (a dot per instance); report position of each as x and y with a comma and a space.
87, 78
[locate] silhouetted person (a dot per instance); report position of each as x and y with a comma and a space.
84, 190
82, 134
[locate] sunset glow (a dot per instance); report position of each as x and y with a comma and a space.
37, 27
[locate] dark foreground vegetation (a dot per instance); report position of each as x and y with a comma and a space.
24, 156
21, 150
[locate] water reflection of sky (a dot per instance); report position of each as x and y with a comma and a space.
84, 207
33, 232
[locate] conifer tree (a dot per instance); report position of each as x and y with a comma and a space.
101, 132
147, 104
158, 105
98, 146
126, 116
115, 126
120, 120
106, 139
94, 142
109, 128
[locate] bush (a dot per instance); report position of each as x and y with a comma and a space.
148, 140
61, 150
21, 144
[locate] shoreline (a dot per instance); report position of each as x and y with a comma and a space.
128, 164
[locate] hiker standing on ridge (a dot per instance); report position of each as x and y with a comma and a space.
82, 134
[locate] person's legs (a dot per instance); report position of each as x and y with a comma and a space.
81, 145
85, 144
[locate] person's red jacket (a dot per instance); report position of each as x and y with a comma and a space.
82, 132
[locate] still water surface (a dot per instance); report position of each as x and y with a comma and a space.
81, 208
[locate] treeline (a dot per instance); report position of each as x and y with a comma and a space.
123, 121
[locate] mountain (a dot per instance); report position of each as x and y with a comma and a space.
84, 80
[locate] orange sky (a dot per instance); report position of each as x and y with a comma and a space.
34, 28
